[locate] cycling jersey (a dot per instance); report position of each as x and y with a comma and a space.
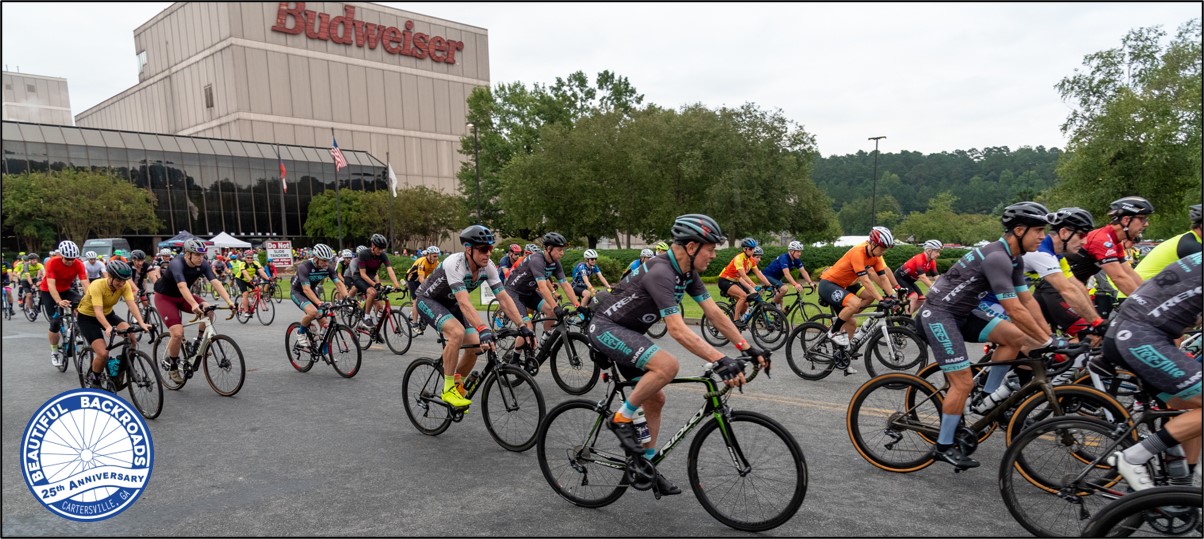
62, 274
505, 263
351, 270
582, 270
919, 265
179, 271
650, 293
252, 268
1166, 253
739, 261
1100, 247
99, 293
372, 263
309, 274
453, 276
94, 269
421, 269
140, 275
1171, 301
782, 264
30, 270
855, 263
524, 278
988, 269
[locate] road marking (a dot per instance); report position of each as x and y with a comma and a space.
25, 336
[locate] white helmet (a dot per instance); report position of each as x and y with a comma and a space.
322, 251
347, 253
881, 236
90, 255
165, 252
795, 246
432, 250
591, 254
934, 244
647, 253
68, 249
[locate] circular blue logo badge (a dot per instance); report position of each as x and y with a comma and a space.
86, 455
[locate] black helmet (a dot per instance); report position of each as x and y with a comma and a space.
1077, 218
476, 235
137, 254
554, 239
696, 227
1128, 206
1025, 214
119, 269
1193, 213
379, 241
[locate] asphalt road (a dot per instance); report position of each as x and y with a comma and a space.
314, 454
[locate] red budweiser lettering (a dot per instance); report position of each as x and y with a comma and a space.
293, 18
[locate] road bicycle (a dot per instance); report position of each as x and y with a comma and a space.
1168, 510
894, 419
31, 304
891, 347
565, 345
336, 345
6, 307
392, 326
127, 367
764, 320
149, 313
746, 469
70, 341
262, 306
800, 310
272, 289
512, 404
225, 369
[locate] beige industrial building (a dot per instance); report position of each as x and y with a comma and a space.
387, 82
36, 98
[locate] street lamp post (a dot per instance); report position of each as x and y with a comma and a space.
874, 200
476, 159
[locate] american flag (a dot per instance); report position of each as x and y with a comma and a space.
339, 160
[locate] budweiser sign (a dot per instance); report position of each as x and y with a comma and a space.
293, 18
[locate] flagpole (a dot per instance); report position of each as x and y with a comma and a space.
338, 207
388, 163
283, 219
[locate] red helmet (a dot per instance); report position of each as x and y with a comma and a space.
514, 248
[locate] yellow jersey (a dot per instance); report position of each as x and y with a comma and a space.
100, 293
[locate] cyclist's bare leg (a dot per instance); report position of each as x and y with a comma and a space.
1187, 427
1007, 335
468, 356
369, 301
100, 355
737, 293
177, 339
852, 306
916, 302
311, 312
781, 295
659, 370
652, 413
454, 332
549, 312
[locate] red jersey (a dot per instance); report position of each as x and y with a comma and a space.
62, 274
919, 265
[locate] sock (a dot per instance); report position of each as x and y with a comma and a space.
448, 382
949, 425
627, 411
995, 378
1152, 445
836, 325
301, 330
649, 452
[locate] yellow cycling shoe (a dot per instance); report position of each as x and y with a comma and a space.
453, 397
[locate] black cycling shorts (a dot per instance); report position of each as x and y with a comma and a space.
947, 334
91, 329
50, 308
724, 285
1056, 310
1154, 358
629, 349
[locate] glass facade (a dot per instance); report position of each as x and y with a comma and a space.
202, 185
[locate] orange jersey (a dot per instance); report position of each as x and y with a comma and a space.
853, 264
742, 261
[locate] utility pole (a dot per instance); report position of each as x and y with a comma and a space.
476, 159
874, 200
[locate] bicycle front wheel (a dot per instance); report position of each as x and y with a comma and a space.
225, 369
160, 357
901, 350
512, 407
809, 353
658, 329
769, 327
711, 333
892, 421
343, 352
265, 310
581, 461
299, 355
421, 390
750, 474
145, 384
572, 368
1081, 401
1157, 511
397, 333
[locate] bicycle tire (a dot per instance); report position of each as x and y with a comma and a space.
507, 413
397, 333
160, 356
768, 327
242, 316
152, 318
1074, 399
300, 359
421, 388
892, 353
658, 329
581, 461
572, 368
492, 311
231, 372
66, 344
80, 363
808, 354
341, 342
1127, 515
1034, 469
738, 439
144, 383
710, 333
873, 431
265, 311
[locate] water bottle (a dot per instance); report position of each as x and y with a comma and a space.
747, 315
859, 333
471, 382
642, 434
114, 365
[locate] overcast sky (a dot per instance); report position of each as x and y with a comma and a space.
930, 77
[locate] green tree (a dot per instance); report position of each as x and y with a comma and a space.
855, 216
75, 204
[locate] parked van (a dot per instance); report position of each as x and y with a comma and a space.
104, 247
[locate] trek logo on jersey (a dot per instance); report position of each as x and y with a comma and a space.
1177, 299
957, 289
1148, 355
86, 455
618, 305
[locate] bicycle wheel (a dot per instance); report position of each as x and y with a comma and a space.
765, 485
83, 360
1075, 400
902, 350
397, 333
512, 406
572, 368
225, 369
1036, 470
350, 315
884, 428
658, 329
1166, 510
809, 353
145, 384
493, 315
265, 310
67, 344
711, 333
421, 388
152, 318
300, 358
807, 311
343, 352
769, 327
581, 461
933, 374
160, 356
241, 315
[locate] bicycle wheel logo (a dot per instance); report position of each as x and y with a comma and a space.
86, 455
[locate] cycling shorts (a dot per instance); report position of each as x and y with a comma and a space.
527, 301
579, 290
629, 349
947, 335
299, 299
171, 309
361, 285
91, 329
1056, 310
413, 287
1153, 357
725, 285
835, 296
913, 288
50, 308
436, 314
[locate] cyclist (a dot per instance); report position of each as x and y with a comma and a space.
661, 247
96, 317
345, 258
1141, 339
951, 316
365, 281
93, 267
623, 317
173, 296
582, 286
779, 270
312, 273
529, 286
1173, 249
245, 269
419, 272
849, 283
645, 254
56, 291
444, 302
31, 275
1102, 248
143, 269
921, 267
352, 269
9, 278
1064, 301
734, 281
508, 261
119, 254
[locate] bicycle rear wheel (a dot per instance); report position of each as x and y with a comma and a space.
160, 357
1157, 511
397, 333
769, 327
572, 368
809, 353
884, 419
225, 369
145, 384
764, 487
581, 461
421, 390
242, 316
300, 358
711, 333
83, 360
658, 329
265, 310
343, 352
512, 406
902, 350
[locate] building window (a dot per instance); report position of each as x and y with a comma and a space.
208, 96
141, 62
30, 88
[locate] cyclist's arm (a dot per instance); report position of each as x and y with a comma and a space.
1020, 315
693, 342
338, 284
508, 307
263, 274
762, 277
924, 278
1075, 295
743, 278
393, 276
603, 279
1123, 276
568, 291
132, 303
364, 275
889, 277
870, 284
470, 312
309, 293
54, 292
544, 288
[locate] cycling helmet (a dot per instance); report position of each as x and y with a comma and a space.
165, 252
1128, 206
476, 235
345, 254
591, 254
248, 253
531, 248
90, 255
322, 251
515, 248
119, 269
432, 250
233, 256
934, 244
68, 249
1077, 218
882, 237
360, 249
1025, 214
379, 240
194, 246
32, 256
748, 243
696, 227
758, 251
662, 246
645, 253
1193, 213
137, 254
554, 239
795, 246
118, 252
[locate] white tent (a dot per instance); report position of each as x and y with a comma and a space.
226, 241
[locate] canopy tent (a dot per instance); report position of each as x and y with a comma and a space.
226, 241
178, 240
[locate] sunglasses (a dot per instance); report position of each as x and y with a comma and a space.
483, 249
